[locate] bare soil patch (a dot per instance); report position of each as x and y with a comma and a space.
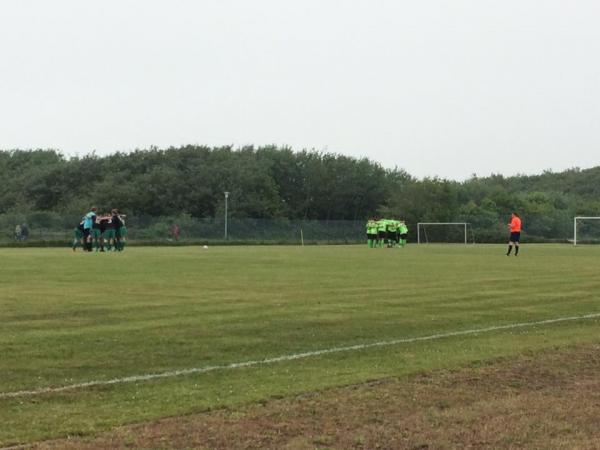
546, 401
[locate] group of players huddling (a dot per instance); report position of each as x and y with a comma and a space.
105, 232
386, 232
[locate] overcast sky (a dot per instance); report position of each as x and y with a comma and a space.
446, 88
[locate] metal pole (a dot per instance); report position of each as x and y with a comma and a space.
226, 196
575, 231
465, 234
418, 233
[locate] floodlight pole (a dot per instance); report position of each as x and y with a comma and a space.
226, 197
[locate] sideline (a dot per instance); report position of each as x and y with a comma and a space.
181, 372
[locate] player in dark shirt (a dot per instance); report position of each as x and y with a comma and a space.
109, 233
96, 233
120, 230
103, 222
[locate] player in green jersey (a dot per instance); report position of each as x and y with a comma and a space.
381, 232
403, 230
391, 232
122, 237
96, 234
108, 236
371, 233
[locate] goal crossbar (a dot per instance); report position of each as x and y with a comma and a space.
464, 224
575, 219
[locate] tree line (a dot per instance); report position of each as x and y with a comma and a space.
277, 183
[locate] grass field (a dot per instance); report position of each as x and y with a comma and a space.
70, 318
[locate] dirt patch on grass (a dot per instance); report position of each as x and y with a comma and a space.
549, 400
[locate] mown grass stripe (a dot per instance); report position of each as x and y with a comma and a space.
284, 358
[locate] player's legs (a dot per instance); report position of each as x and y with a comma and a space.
117, 240
109, 239
87, 240
123, 231
120, 245
96, 238
513, 241
120, 238
76, 238
381, 237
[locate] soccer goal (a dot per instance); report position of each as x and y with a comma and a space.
445, 232
586, 230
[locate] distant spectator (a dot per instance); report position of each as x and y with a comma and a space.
175, 231
24, 232
18, 233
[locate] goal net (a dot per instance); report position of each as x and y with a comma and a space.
445, 233
586, 230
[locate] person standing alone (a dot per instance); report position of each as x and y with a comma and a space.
515, 233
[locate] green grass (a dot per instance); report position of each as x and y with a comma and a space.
74, 317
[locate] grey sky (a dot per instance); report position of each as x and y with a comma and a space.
443, 88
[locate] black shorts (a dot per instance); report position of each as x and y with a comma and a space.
515, 236
381, 234
371, 236
86, 232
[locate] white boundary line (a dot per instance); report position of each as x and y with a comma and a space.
239, 365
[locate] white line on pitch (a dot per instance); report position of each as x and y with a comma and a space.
176, 373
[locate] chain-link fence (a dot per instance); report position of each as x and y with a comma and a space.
55, 228
49, 228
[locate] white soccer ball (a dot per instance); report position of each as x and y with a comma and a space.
205, 247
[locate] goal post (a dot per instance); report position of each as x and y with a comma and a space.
576, 221
422, 230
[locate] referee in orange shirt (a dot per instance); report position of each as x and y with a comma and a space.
515, 233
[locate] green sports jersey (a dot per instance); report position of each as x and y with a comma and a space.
371, 227
382, 225
123, 231
109, 233
403, 228
392, 226
96, 232
77, 233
